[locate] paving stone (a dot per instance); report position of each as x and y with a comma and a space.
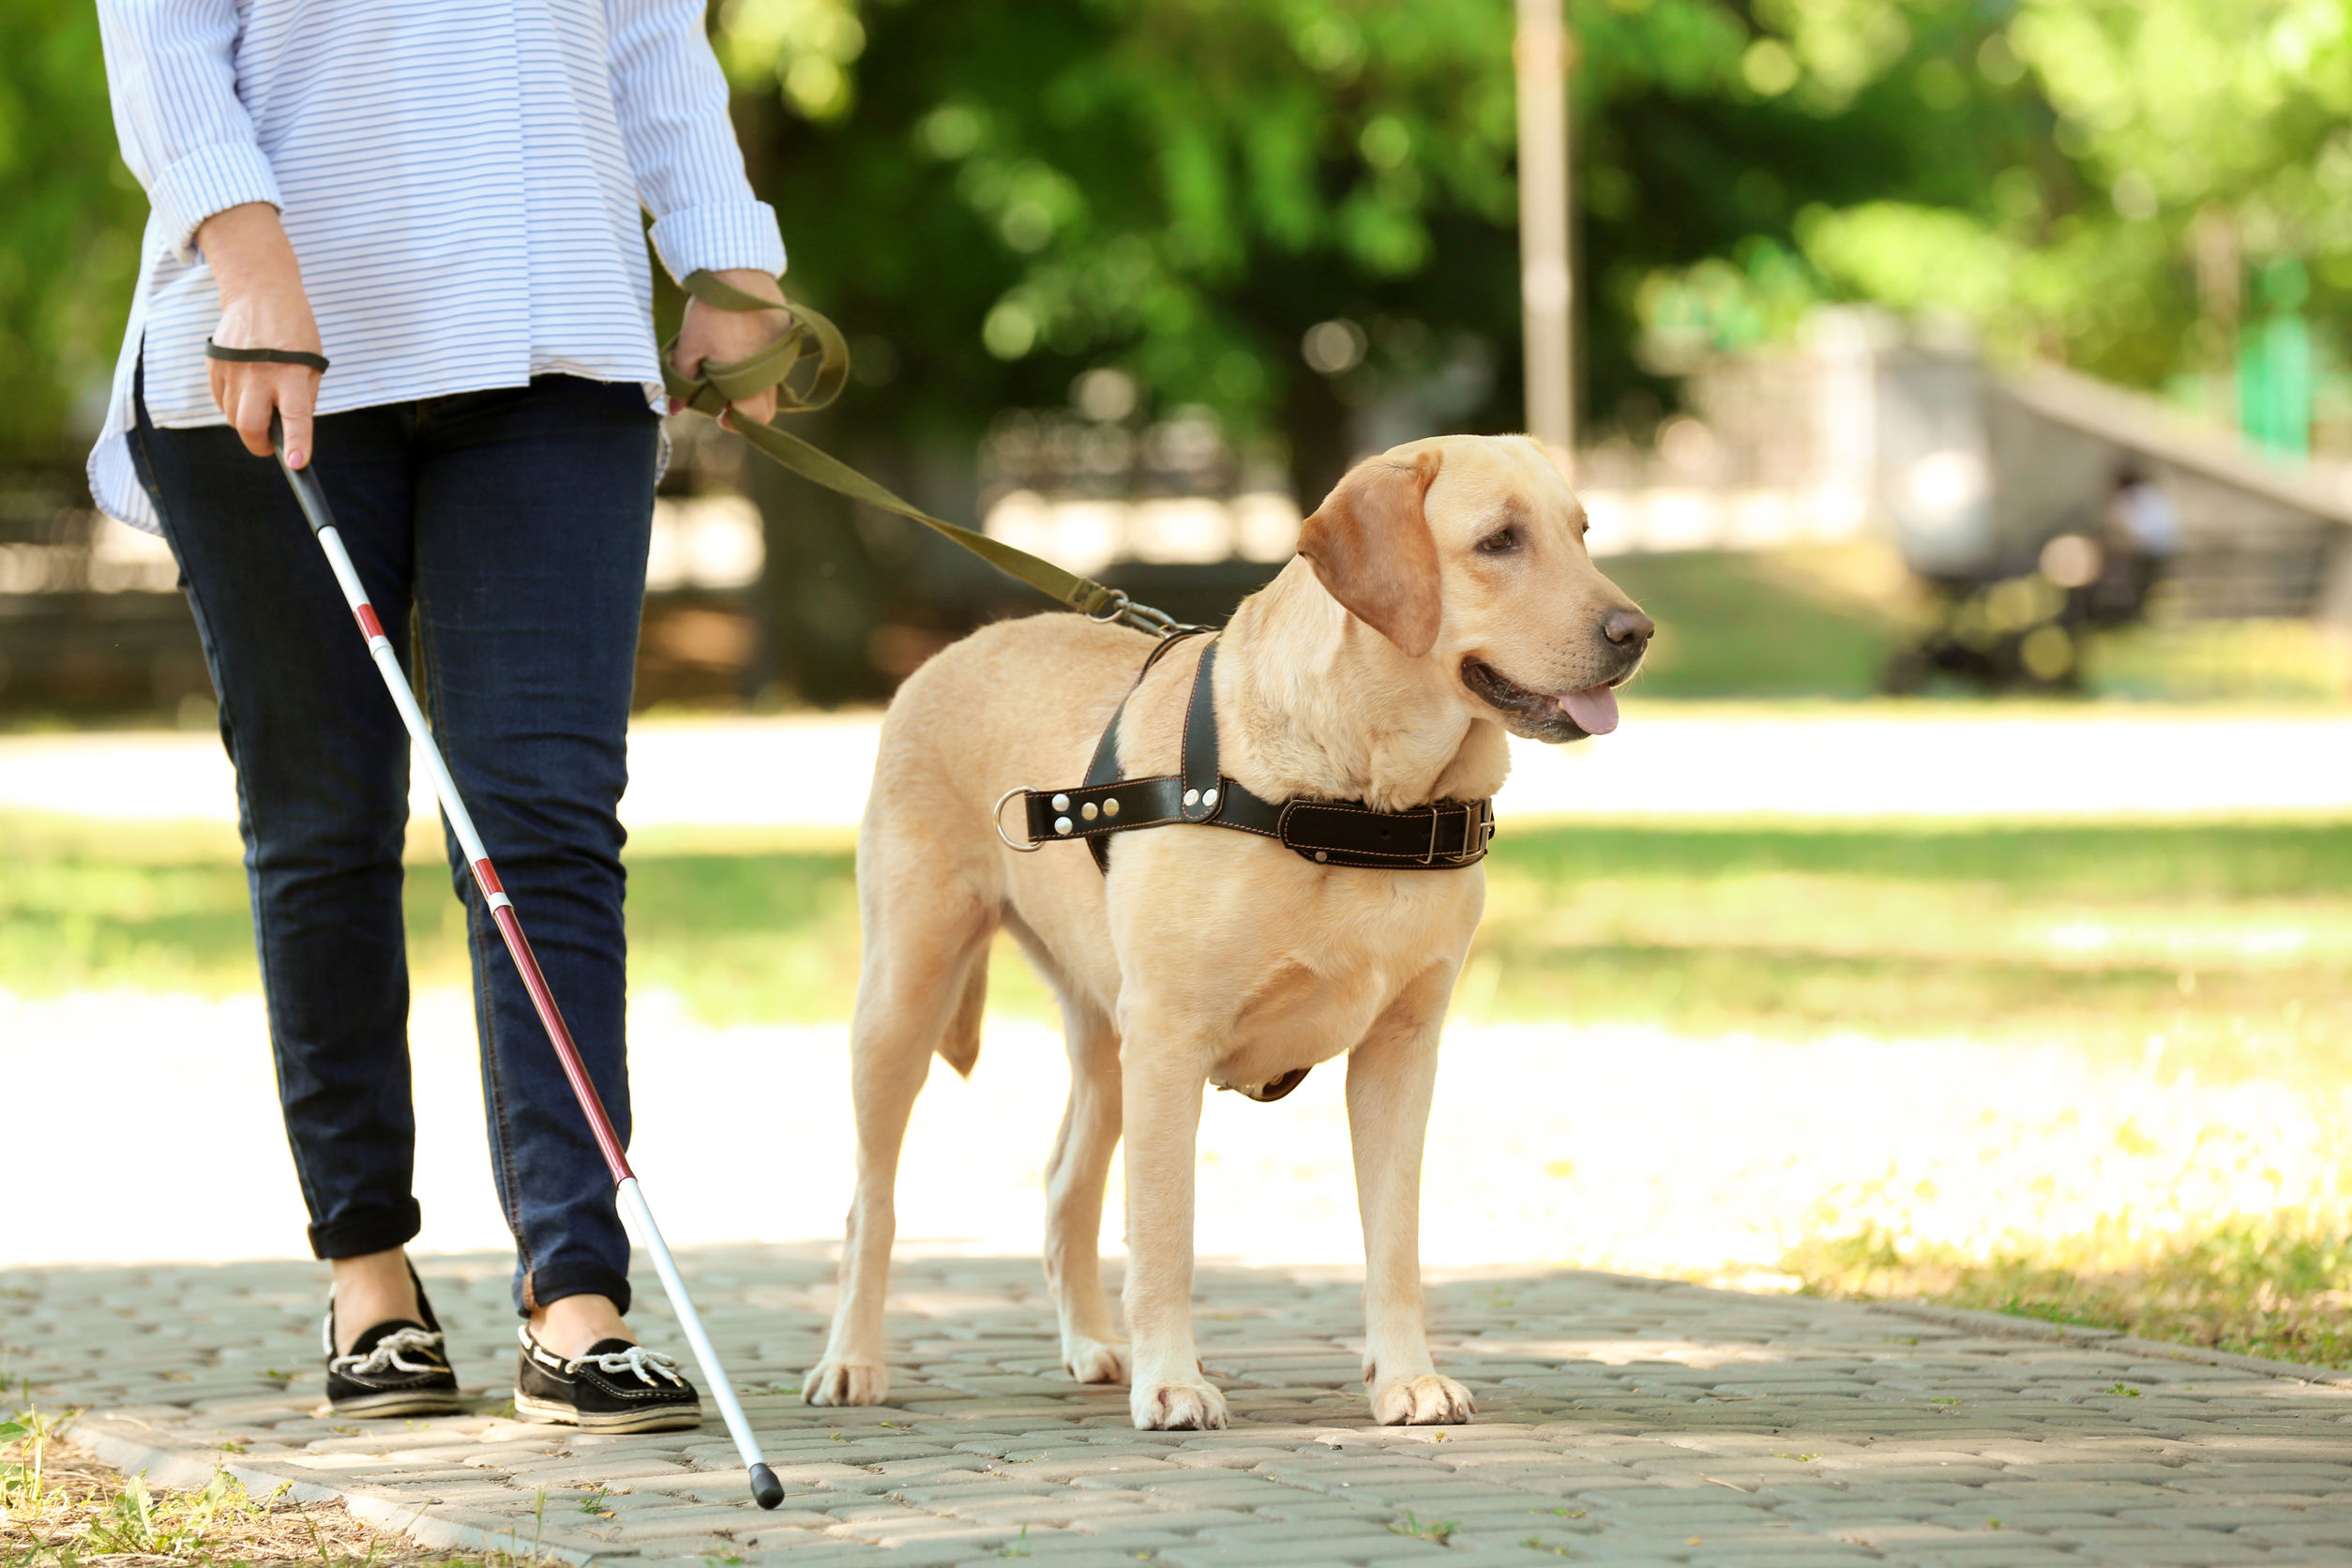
1744, 1431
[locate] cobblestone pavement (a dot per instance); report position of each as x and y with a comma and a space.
1621, 1421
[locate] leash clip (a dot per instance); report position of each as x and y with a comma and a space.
1142, 617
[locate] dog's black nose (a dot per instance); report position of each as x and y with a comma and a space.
1629, 628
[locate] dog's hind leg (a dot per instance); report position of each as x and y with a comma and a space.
924, 953
1074, 1179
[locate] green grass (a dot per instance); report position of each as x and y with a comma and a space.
2276, 1289
1821, 621
2227, 942
59, 1509
1807, 623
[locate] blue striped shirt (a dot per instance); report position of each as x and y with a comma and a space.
460, 180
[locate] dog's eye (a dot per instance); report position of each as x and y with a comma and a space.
1503, 542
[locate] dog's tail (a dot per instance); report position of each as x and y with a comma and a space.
959, 1043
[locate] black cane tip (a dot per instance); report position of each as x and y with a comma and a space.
766, 1490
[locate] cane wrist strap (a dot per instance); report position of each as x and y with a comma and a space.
265, 356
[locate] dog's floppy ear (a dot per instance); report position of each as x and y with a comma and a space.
1371, 547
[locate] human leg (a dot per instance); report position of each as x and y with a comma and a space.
321, 767
533, 512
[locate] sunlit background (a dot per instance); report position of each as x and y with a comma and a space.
1962, 385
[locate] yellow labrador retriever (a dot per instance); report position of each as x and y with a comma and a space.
1441, 596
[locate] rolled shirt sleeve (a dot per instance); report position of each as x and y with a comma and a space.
184, 133
671, 100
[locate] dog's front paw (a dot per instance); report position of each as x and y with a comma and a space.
1424, 1401
1092, 1360
845, 1382
1177, 1408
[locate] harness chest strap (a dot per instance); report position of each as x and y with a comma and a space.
1441, 837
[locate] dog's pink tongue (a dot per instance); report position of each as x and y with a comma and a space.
1594, 709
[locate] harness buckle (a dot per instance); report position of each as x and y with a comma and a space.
996, 820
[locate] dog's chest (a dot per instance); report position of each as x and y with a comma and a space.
1322, 983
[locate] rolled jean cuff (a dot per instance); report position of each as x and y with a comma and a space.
366, 1230
544, 1287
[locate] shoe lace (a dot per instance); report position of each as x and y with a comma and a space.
388, 1354
643, 1362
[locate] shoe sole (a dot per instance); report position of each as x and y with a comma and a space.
547, 1412
401, 1404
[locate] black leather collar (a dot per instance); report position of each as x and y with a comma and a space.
1443, 836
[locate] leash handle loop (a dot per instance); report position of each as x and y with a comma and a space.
813, 336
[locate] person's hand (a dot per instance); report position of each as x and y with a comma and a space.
262, 307
720, 336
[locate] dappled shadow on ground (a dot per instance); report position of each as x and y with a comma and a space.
1620, 1418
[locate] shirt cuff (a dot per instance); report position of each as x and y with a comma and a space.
717, 235
206, 181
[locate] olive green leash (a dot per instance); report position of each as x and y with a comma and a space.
813, 337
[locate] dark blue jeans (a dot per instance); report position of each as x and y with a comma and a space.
512, 526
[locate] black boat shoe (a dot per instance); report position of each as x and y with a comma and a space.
616, 1387
396, 1368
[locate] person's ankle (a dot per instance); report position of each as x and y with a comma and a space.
572, 1325
374, 1289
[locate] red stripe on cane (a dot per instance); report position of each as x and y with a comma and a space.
488, 876
560, 1036
367, 621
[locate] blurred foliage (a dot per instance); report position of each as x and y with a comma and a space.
1185, 187
68, 247
2126, 138
996, 195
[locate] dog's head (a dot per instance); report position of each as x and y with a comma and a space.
1468, 551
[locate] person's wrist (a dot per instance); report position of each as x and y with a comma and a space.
752, 280
246, 247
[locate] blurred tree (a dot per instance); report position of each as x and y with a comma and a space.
70, 242
2140, 148
998, 196
1011, 191
1011, 194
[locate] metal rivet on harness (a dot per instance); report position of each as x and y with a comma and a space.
1061, 824
1061, 802
1088, 811
1209, 797
1111, 808
1323, 855
1191, 797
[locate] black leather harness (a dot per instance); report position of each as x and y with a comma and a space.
1437, 837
